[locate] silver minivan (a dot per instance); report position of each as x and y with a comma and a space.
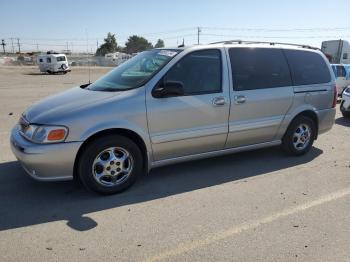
170, 105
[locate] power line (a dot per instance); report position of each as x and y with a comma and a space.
279, 29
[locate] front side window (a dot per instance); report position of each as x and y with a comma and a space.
307, 67
48, 60
199, 72
258, 68
136, 71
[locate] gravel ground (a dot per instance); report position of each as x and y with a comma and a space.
259, 205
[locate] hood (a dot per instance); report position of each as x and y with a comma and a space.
63, 103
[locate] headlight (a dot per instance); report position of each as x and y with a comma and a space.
44, 134
347, 90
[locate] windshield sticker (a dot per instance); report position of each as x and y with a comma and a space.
167, 53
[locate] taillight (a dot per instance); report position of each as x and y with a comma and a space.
335, 97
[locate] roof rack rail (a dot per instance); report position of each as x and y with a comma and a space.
261, 42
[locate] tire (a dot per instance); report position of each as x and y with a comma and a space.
100, 177
343, 111
295, 146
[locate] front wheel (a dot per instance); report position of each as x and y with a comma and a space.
343, 111
300, 136
110, 164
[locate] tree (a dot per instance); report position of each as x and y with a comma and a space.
109, 46
159, 44
137, 44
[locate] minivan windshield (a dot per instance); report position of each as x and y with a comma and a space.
134, 72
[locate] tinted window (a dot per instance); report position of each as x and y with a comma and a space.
41, 60
341, 71
307, 67
48, 60
199, 72
61, 58
256, 68
345, 56
334, 68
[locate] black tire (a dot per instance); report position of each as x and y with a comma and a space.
93, 149
343, 111
288, 139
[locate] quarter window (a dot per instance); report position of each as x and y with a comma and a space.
307, 67
258, 68
199, 72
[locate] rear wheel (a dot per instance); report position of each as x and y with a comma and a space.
110, 164
300, 136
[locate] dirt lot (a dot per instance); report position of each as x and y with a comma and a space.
252, 206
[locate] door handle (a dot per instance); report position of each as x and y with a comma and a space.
219, 101
240, 99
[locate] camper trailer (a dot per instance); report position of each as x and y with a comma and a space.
117, 58
53, 63
337, 51
342, 76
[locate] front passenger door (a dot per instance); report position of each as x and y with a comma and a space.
197, 121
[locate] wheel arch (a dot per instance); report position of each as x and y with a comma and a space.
132, 135
307, 113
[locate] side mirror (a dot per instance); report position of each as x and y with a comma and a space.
168, 89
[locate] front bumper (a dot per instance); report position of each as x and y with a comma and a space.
45, 162
345, 102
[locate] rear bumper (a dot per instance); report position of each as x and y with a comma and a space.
325, 120
49, 162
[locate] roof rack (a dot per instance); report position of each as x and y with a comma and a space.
260, 42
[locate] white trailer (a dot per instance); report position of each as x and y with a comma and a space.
53, 63
337, 51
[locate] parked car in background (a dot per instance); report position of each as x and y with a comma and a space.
342, 76
165, 106
345, 103
53, 63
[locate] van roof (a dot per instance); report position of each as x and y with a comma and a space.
261, 43
241, 43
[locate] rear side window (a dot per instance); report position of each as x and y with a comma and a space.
199, 72
61, 58
341, 71
307, 68
258, 68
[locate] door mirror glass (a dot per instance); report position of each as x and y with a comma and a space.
168, 89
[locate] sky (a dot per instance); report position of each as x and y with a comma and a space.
81, 25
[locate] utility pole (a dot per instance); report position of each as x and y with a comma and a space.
199, 30
96, 45
19, 46
3, 45
13, 48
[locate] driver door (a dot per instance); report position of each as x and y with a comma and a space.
197, 121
